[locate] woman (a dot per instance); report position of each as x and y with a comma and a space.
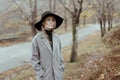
46, 58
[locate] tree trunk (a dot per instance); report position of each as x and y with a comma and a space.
104, 26
65, 24
33, 19
109, 24
65, 19
75, 43
101, 28
84, 20
54, 6
94, 20
34, 32
50, 4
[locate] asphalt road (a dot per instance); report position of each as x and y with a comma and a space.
18, 54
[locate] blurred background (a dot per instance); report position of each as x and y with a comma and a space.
90, 37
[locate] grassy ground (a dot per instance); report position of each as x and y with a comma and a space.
90, 50
95, 62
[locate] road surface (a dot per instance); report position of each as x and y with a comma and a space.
18, 54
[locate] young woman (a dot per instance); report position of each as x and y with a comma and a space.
47, 58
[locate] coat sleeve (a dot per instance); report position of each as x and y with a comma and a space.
61, 57
35, 60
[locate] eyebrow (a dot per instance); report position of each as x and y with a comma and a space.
51, 17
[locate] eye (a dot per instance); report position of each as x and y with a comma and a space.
53, 19
48, 19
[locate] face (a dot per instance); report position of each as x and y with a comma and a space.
49, 23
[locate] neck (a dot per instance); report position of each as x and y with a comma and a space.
48, 33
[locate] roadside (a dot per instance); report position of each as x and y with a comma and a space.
20, 53
90, 50
8, 40
95, 62
99, 61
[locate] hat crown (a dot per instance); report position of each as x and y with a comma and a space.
46, 13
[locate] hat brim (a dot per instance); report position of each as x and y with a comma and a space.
58, 19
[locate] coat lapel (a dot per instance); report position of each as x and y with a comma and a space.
46, 42
54, 44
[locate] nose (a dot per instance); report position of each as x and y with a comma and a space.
51, 22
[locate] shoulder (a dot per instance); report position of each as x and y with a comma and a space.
35, 38
57, 37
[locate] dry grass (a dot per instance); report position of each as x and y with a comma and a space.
95, 62
88, 49
24, 72
111, 64
112, 38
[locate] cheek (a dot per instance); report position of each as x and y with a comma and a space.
45, 23
54, 23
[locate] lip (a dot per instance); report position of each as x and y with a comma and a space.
51, 26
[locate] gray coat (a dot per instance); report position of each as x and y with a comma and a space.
47, 63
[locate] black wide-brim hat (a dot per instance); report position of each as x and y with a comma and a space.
58, 19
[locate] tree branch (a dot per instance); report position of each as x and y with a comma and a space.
18, 6
21, 10
74, 4
31, 5
66, 7
80, 7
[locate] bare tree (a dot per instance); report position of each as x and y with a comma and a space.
33, 14
117, 9
100, 8
110, 11
84, 20
75, 13
52, 5
8, 23
65, 19
65, 16
105, 10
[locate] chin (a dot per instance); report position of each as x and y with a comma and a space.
50, 29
